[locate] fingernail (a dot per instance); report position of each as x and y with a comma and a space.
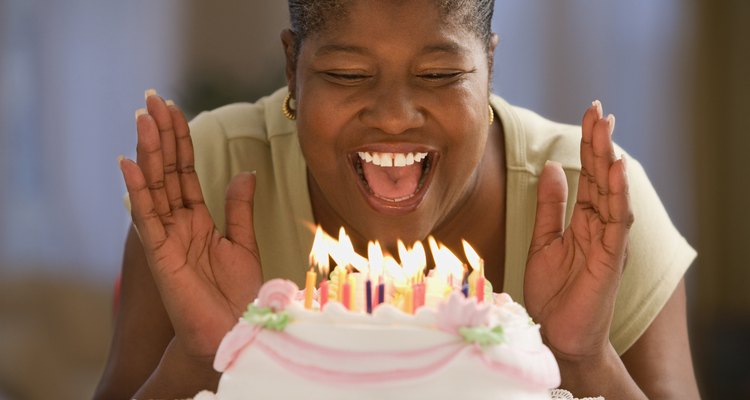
169, 103
119, 159
611, 120
552, 163
598, 106
139, 112
149, 93
254, 172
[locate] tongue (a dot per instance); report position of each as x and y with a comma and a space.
392, 182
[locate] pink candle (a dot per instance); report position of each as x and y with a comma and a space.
323, 292
420, 293
346, 294
480, 282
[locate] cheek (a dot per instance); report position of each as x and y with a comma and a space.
319, 139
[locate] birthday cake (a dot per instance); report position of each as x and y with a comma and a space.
424, 336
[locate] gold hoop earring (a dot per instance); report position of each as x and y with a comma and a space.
492, 114
286, 107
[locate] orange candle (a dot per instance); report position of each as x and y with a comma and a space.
312, 277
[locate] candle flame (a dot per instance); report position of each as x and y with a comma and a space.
448, 267
446, 263
413, 260
375, 256
319, 252
474, 260
344, 255
393, 270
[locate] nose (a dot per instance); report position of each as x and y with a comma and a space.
392, 109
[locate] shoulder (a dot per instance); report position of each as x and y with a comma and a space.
532, 139
261, 121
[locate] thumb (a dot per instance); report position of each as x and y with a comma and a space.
239, 211
552, 195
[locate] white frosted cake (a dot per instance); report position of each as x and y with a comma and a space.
461, 348
375, 328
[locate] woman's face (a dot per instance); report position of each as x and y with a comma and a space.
392, 113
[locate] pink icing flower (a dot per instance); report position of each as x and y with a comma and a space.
276, 294
459, 312
239, 337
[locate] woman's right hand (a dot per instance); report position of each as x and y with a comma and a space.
205, 279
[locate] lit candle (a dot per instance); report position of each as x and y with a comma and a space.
312, 278
357, 282
435, 290
346, 292
480, 282
476, 279
419, 295
323, 292
381, 290
341, 279
409, 299
375, 259
368, 295
319, 255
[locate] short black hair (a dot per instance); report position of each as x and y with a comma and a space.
308, 17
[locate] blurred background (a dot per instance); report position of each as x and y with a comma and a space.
676, 74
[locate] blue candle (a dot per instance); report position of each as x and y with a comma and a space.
368, 295
465, 289
381, 291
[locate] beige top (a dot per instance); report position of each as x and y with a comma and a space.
257, 137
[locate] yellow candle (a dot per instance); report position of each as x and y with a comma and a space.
354, 293
341, 281
312, 277
409, 300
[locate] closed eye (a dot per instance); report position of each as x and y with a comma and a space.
346, 78
439, 76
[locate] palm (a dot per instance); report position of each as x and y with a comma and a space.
204, 278
572, 275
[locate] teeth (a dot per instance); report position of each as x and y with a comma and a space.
399, 160
386, 160
391, 159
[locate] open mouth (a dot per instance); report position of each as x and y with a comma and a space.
394, 181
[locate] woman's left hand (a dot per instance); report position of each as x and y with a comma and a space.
573, 273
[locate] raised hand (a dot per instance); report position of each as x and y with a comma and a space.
573, 273
205, 279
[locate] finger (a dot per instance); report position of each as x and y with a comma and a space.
159, 111
150, 160
145, 216
586, 178
239, 211
620, 212
190, 186
604, 157
552, 195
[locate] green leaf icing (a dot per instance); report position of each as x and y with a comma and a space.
482, 335
266, 318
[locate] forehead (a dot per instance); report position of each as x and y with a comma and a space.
398, 24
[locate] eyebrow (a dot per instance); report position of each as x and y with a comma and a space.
443, 47
339, 48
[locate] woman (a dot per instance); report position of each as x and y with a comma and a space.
390, 131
